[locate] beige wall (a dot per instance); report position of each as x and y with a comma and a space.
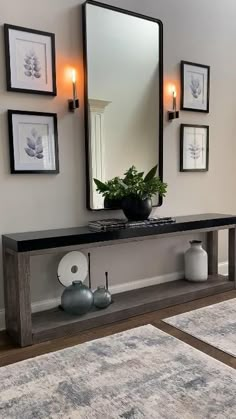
200, 31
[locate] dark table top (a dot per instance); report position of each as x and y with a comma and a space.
48, 239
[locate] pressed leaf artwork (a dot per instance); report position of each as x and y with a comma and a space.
32, 65
34, 145
195, 151
194, 148
195, 87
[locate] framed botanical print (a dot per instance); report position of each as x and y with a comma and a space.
33, 142
30, 60
194, 148
195, 87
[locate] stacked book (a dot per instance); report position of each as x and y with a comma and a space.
119, 223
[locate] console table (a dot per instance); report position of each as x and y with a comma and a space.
26, 328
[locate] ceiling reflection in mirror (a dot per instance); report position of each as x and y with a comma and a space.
123, 95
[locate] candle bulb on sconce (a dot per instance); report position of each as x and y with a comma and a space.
174, 114
73, 78
74, 102
174, 100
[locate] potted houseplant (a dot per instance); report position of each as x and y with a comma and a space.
133, 192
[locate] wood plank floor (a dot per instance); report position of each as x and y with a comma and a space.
10, 353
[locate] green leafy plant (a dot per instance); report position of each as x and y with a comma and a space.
112, 189
134, 183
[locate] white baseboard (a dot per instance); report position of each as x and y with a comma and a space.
147, 282
45, 304
115, 289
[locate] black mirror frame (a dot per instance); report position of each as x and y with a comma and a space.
161, 107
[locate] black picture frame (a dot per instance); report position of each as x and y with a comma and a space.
182, 128
183, 106
13, 169
86, 111
11, 85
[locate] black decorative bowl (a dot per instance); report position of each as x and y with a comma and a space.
136, 209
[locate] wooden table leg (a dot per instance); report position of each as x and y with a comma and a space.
212, 250
17, 296
232, 255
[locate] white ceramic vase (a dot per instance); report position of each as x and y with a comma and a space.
196, 262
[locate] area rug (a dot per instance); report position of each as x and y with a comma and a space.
215, 325
141, 373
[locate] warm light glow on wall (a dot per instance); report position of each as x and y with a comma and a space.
172, 90
69, 73
73, 75
170, 87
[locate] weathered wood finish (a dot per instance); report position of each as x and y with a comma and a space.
212, 250
26, 329
9, 290
17, 296
55, 323
232, 255
24, 298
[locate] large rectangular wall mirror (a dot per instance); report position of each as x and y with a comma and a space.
123, 94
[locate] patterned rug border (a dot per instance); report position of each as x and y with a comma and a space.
139, 373
170, 322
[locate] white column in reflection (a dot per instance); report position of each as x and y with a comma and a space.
97, 148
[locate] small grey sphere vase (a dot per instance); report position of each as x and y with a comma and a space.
101, 297
77, 298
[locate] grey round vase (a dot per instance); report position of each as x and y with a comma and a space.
77, 298
101, 297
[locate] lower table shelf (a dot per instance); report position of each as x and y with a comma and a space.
55, 323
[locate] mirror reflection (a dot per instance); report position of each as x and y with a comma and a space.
123, 95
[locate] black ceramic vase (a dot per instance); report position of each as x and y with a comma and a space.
136, 209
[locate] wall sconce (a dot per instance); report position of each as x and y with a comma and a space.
173, 114
73, 103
